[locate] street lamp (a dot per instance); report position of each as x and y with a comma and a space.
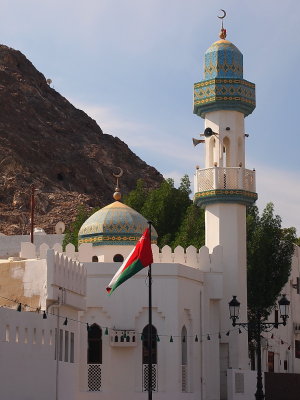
257, 327
234, 310
284, 308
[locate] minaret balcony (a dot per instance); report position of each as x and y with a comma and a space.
225, 185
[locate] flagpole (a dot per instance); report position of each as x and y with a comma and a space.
150, 325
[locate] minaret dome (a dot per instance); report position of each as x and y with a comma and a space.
223, 86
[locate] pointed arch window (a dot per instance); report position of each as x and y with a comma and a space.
146, 345
94, 358
95, 344
226, 152
212, 149
145, 358
184, 360
183, 346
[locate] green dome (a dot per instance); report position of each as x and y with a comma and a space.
115, 224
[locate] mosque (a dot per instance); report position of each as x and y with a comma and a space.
62, 337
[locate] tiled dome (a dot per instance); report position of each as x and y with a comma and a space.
223, 86
223, 60
115, 224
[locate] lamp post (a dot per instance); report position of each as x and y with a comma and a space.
33, 191
257, 326
32, 204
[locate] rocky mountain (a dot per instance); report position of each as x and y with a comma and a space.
46, 141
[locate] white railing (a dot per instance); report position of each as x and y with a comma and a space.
94, 377
145, 386
224, 178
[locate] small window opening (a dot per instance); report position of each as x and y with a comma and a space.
146, 345
118, 258
94, 259
95, 345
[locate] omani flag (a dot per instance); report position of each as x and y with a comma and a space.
140, 257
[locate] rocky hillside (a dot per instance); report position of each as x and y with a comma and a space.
46, 141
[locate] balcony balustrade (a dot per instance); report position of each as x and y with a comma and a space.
231, 184
225, 178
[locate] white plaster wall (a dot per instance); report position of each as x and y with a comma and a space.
226, 225
10, 246
106, 253
28, 368
287, 333
218, 121
66, 280
176, 302
249, 384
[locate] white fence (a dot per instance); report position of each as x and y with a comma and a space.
224, 178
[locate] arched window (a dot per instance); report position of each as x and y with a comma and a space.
226, 152
240, 150
94, 259
183, 346
212, 144
118, 258
184, 360
94, 344
146, 345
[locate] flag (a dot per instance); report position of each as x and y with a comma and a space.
140, 257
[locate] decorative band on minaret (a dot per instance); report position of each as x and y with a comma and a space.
223, 87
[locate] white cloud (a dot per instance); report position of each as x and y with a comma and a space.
282, 188
141, 136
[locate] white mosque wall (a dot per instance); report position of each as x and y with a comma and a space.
191, 256
66, 280
176, 295
23, 281
38, 282
281, 341
241, 384
30, 368
10, 246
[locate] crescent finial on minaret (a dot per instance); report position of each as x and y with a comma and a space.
117, 195
222, 33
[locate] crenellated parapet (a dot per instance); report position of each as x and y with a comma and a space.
192, 257
66, 280
69, 264
31, 251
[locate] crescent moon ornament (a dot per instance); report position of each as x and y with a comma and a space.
224, 14
119, 174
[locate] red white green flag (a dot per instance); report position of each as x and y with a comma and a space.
140, 257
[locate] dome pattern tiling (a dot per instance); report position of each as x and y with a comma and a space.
114, 224
223, 87
223, 60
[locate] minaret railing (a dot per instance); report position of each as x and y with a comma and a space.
225, 178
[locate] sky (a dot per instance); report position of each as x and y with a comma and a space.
131, 65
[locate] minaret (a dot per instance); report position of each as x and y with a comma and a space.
225, 187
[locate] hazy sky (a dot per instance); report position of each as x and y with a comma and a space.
131, 65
